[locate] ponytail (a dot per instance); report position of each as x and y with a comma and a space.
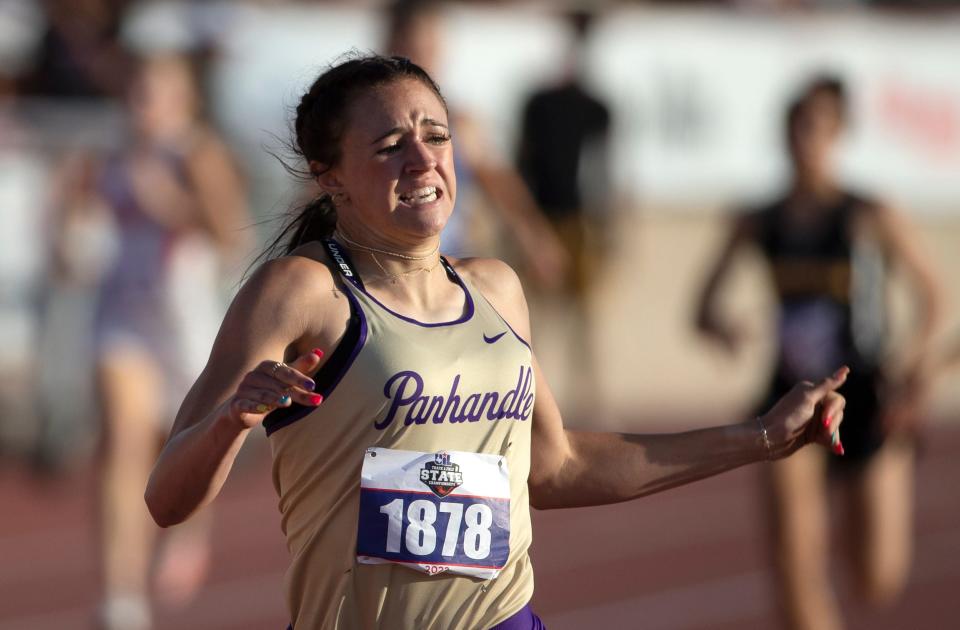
313, 222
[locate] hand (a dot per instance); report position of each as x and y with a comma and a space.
271, 385
807, 413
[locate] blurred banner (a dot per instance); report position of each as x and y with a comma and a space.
707, 92
698, 94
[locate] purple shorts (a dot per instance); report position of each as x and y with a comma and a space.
523, 619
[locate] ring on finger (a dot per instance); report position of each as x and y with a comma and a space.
276, 366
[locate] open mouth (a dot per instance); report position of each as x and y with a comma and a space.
421, 196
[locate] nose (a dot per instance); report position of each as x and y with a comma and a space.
420, 158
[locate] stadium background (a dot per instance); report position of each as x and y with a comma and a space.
697, 92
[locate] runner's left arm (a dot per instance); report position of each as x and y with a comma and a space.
578, 468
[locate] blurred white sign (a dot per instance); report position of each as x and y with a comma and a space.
698, 96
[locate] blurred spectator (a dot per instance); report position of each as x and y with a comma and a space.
79, 56
176, 204
563, 156
829, 250
415, 31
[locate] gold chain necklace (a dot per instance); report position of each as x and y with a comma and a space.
338, 234
387, 275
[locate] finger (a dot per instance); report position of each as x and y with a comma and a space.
249, 412
831, 404
269, 397
831, 383
836, 444
246, 406
828, 432
308, 362
295, 374
298, 394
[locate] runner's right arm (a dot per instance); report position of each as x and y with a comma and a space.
264, 325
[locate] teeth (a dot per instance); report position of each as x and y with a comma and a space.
420, 195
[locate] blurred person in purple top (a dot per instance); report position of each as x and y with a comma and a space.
176, 203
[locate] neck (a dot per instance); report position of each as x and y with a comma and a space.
814, 185
390, 261
401, 249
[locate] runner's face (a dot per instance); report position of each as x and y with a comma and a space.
814, 135
396, 165
163, 98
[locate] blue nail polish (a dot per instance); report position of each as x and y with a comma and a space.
309, 384
284, 399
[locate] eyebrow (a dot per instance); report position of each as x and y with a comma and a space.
426, 121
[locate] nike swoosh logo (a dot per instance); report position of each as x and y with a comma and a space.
493, 339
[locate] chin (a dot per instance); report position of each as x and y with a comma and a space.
428, 229
426, 223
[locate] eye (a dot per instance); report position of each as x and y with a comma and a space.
438, 138
390, 149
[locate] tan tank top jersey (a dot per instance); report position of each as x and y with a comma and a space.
404, 494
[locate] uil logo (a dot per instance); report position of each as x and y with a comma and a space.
441, 475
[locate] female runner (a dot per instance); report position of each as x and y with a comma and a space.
406, 460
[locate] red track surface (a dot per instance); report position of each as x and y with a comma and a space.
691, 559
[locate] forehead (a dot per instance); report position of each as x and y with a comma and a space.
817, 114
400, 103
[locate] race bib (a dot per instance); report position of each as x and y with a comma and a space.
435, 512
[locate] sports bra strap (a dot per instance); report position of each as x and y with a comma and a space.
451, 272
345, 265
343, 262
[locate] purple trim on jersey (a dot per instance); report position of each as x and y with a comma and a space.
343, 262
515, 334
467, 313
331, 373
361, 341
523, 619
519, 338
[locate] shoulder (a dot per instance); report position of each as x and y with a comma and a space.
305, 268
748, 223
870, 210
858, 200
877, 219
501, 286
280, 291
491, 276
762, 215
